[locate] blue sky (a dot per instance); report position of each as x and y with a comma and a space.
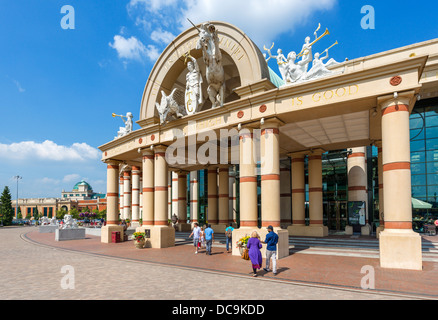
59, 87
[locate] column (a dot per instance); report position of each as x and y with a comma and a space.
400, 246
285, 195
298, 190
248, 180
232, 193
270, 175
194, 197
212, 216
160, 194
127, 194
357, 183
182, 203
381, 226
223, 199
169, 196
121, 202
174, 191
148, 188
135, 196
112, 196
315, 195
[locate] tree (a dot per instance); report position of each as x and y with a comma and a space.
6, 209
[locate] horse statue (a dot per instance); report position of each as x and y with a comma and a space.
209, 43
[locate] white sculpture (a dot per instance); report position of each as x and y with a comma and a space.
171, 106
128, 126
69, 223
294, 71
45, 221
53, 221
215, 74
193, 95
319, 69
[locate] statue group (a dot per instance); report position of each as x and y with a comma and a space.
174, 106
293, 71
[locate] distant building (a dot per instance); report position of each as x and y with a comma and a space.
80, 197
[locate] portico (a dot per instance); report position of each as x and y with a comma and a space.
362, 103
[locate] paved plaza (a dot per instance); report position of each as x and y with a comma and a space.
35, 266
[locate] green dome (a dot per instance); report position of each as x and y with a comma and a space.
82, 183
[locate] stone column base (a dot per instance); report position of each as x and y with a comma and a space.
282, 246
219, 228
135, 224
349, 230
105, 233
378, 230
400, 249
365, 230
184, 227
160, 236
308, 231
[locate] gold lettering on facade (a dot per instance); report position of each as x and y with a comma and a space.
335, 93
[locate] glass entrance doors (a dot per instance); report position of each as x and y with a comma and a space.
337, 215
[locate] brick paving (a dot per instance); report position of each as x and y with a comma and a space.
31, 264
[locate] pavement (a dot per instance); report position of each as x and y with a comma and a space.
34, 266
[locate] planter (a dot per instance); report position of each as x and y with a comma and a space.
242, 252
139, 244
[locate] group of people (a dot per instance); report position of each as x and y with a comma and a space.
204, 237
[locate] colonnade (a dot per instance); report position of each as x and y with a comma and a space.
281, 190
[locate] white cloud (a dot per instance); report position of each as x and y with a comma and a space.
133, 49
71, 177
49, 151
263, 21
164, 37
130, 49
19, 87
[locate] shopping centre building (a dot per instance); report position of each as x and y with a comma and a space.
324, 147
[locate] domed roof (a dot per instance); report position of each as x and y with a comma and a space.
82, 183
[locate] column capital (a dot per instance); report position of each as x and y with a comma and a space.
407, 98
271, 123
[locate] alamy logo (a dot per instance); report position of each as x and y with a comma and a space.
68, 20
68, 281
369, 20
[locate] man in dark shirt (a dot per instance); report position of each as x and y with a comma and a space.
271, 250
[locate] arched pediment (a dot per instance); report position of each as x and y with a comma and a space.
242, 61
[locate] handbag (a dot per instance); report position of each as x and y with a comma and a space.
245, 254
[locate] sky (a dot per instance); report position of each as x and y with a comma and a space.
64, 72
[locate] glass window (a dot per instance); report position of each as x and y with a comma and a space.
417, 134
416, 123
431, 121
432, 132
419, 156
418, 179
432, 179
431, 144
432, 191
419, 192
418, 168
432, 167
432, 155
417, 146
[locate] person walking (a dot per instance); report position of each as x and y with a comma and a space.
196, 233
254, 245
228, 236
271, 250
209, 238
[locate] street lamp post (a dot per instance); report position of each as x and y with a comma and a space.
16, 203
